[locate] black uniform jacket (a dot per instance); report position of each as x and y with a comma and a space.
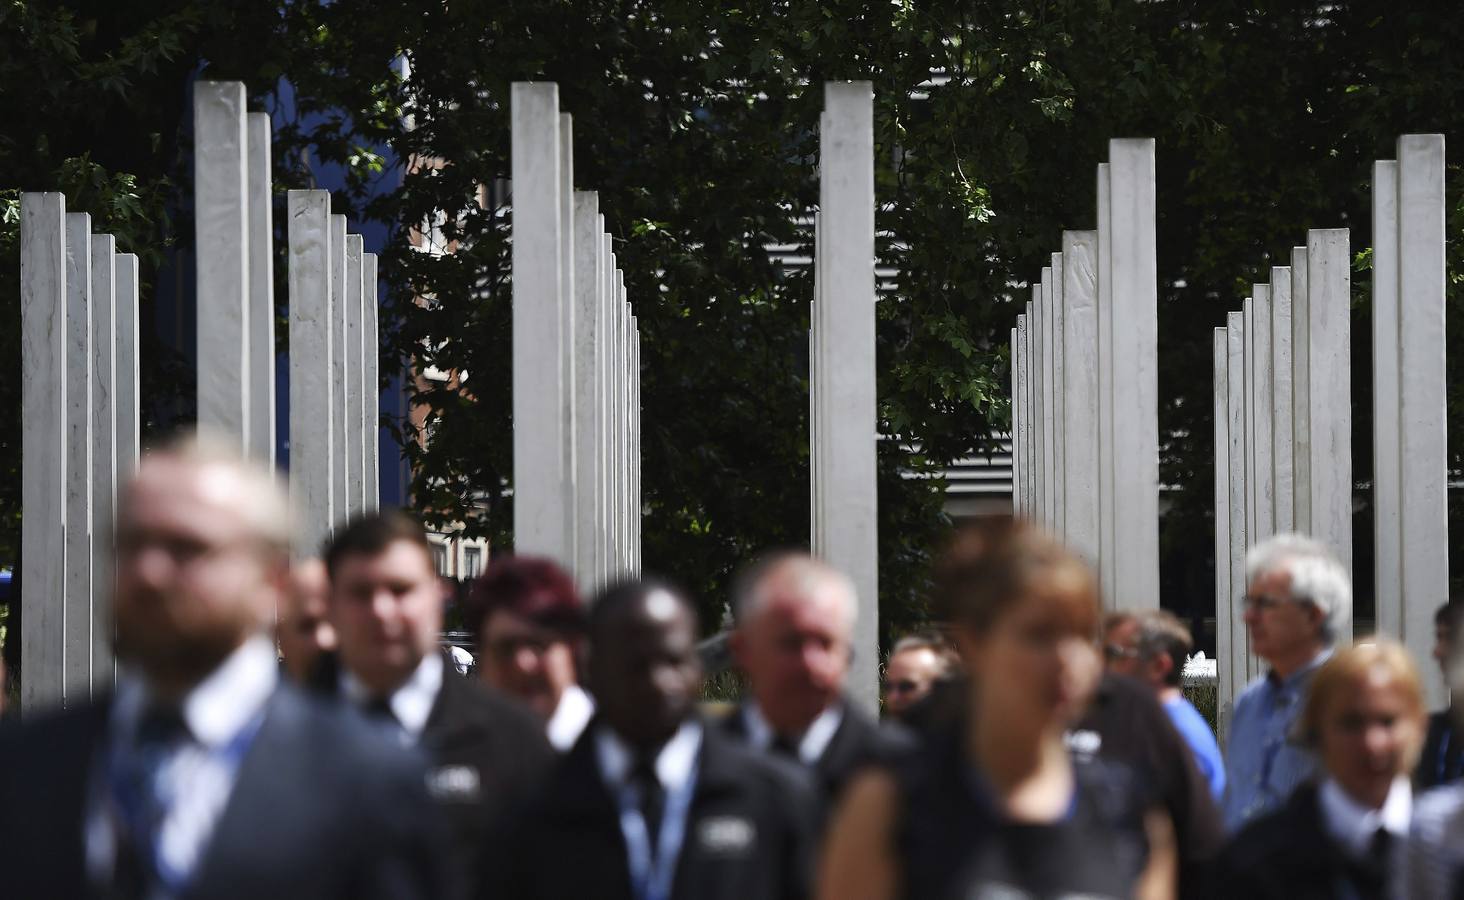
749, 833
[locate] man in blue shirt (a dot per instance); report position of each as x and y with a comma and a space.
1153, 647
1298, 597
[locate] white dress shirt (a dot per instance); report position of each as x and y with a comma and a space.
571, 715
811, 744
411, 703
201, 772
1353, 825
675, 763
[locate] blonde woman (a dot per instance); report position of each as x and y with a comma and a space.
994, 805
1339, 837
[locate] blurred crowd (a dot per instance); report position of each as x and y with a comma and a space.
296, 728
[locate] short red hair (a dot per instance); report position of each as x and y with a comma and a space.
529, 586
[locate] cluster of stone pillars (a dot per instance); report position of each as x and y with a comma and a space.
842, 398
1085, 390
79, 436
1283, 413
576, 360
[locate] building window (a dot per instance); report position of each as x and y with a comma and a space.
472, 562
439, 559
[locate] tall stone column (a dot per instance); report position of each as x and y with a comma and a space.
1300, 394
1034, 438
355, 365
1387, 429
539, 392
1042, 439
43, 424
79, 401
129, 411
588, 365
570, 410
1224, 610
1329, 361
847, 472
605, 329
312, 370
340, 342
1261, 405
1107, 565
1054, 286
221, 240
1135, 286
1051, 393
103, 452
260, 309
1422, 389
1283, 480
371, 381
1234, 667
1019, 423
1079, 260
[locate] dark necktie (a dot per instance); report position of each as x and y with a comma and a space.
160, 731
652, 799
787, 748
378, 709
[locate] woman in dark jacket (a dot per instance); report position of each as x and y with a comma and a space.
1340, 837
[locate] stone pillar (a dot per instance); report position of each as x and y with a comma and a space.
1019, 436
1042, 439
1051, 416
635, 448
1387, 437
103, 452
587, 367
846, 326
340, 342
605, 341
1029, 407
1224, 624
1300, 395
371, 381
1329, 361
43, 423
355, 366
1106, 563
129, 412
1135, 314
79, 400
1247, 313
1054, 286
1283, 483
1422, 389
1261, 400
221, 241
1079, 260
568, 343
1234, 668
260, 308
312, 370
539, 393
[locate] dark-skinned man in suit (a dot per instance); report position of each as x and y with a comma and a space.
205, 774
794, 624
486, 753
650, 804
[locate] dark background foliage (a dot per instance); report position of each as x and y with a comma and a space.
697, 125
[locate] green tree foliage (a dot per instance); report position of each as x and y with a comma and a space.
697, 125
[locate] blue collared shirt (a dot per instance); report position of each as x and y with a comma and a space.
1264, 762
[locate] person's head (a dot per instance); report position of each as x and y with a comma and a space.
643, 665
385, 598
794, 629
304, 626
1164, 644
529, 625
1023, 612
202, 543
1298, 595
1121, 643
1446, 628
916, 663
1364, 717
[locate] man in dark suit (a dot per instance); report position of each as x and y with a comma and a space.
650, 803
486, 753
205, 775
1442, 760
795, 621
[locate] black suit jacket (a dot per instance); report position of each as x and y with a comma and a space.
859, 741
323, 807
487, 756
1288, 855
749, 835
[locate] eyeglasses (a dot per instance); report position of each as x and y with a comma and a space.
901, 687
1262, 602
1116, 652
508, 647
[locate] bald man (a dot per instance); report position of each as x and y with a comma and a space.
205, 774
794, 626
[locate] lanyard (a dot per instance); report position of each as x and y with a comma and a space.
130, 806
652, 879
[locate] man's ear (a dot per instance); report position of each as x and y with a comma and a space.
1162, 664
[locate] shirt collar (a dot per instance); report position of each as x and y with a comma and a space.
411, 703
1353, 825
222, 704
675, 762
571, 714
811, 744
1298, 678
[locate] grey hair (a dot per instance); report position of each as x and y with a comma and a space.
1318, 577
747, 587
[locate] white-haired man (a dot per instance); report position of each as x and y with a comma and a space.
1298, 595
795, 623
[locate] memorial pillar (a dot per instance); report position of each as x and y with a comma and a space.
312, 370
79, 401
